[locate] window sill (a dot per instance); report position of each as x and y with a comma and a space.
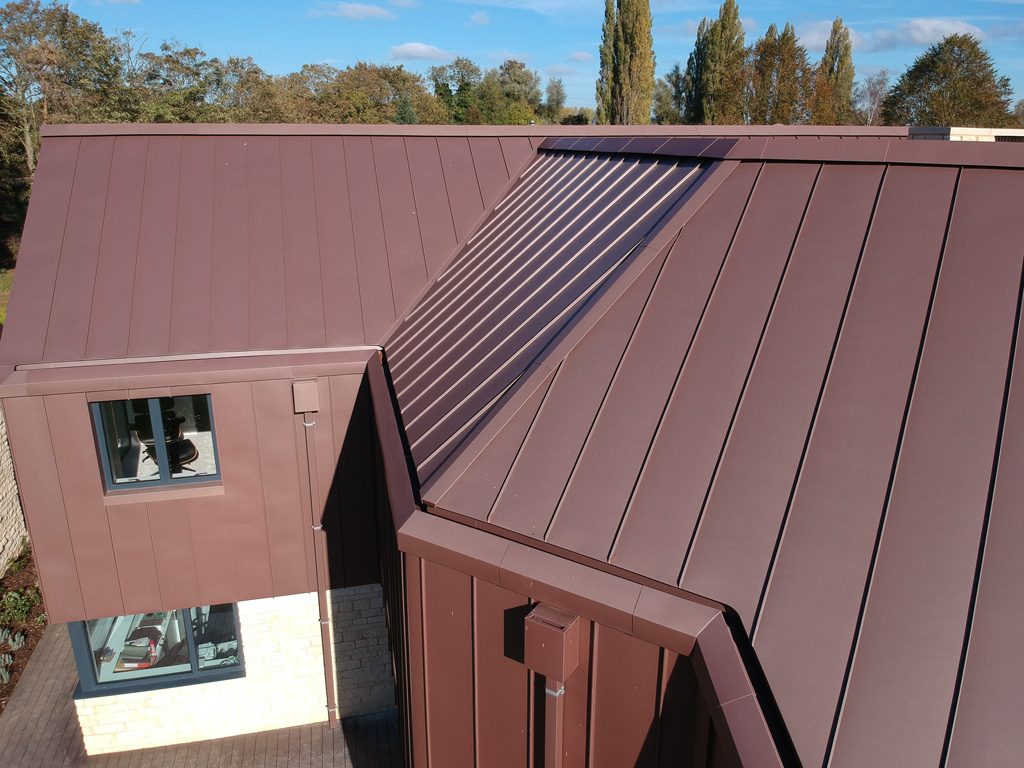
156, 683
162, 493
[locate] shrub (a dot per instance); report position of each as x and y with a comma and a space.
16, 605
16, 642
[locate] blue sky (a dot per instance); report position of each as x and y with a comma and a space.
559, 38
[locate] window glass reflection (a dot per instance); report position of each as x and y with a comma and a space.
139, 645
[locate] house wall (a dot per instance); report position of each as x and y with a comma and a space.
283, 687
473, 703
247, 537
362, 658
12, 521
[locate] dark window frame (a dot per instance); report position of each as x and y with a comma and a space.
90, 687
163, 465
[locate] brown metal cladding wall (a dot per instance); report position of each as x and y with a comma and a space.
630, 703
206, 243
824, 442
250, 539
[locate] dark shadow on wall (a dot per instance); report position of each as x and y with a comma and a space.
350, 519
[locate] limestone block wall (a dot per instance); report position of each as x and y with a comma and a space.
362, 658
283, 687
12, 521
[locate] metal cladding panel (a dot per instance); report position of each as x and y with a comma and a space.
834, 515
43, 503
920, 591
545, 250
757, 469
68, 328
208, 243
666, 380
448, 661
988, 713
624, 728
500, 684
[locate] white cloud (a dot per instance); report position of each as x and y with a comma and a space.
918, 33
479, 18
560, 70
420, 52
357, 11
581, 56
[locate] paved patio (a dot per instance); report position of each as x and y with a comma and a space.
39, 730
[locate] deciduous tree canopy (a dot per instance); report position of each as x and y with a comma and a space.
952, 83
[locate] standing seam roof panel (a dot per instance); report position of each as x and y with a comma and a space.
755, 476
148, 245
537, 479
516, 284
530, 291
918, 602
528, 207
986, 729
838, 500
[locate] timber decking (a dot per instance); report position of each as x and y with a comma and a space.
39, 730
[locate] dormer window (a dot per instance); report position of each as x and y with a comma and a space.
156, 441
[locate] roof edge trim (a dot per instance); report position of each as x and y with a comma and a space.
539, 131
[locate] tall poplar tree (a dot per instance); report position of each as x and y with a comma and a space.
764, 66
716, 70
792, 80
606, 58
626, 83
832, 94
634, 62
694, 81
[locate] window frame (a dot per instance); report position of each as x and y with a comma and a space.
90, 687
163, 465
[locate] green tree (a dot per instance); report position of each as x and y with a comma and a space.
606, 61
244, 93
519, 83
832, 94
761, 87
634, 63
694, 82
952, 83
792, 80
554, 99
1018, 113
55, 67
716, 70
625, 86
179, 85
670, 97
456, 85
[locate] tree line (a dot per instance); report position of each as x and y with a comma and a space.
773, 80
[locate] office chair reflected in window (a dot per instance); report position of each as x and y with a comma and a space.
180, 450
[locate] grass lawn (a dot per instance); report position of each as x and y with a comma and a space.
6, 278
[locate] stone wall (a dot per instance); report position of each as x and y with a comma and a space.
12, 521
283, 687
362, 659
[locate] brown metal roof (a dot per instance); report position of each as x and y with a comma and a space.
520, 279
147, 245
805, 407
